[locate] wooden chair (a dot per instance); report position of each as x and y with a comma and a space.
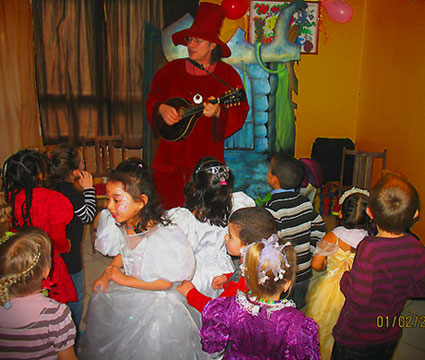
104, 149
102, 154
363, 168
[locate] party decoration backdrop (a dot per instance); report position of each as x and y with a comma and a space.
263, 17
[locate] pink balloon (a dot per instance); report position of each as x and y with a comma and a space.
235, 9
338, 10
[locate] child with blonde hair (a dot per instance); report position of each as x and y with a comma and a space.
257, 324
31, 325
324, 298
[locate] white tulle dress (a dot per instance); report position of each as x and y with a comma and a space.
208, 244
128, 323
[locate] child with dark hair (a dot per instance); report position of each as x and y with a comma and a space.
324, 298
257, 324
246, 226
297, 221
136, 313
31, 325
209, 203
34, 205
66, 166
388, 268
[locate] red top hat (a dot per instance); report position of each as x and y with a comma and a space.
206, 26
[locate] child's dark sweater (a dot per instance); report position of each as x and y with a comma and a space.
386, 271
84, 206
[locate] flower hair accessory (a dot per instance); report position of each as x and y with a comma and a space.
352, 191
140, 166
271, 258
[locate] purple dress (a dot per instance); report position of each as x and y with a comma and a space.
247, 330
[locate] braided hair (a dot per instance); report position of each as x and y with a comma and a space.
24, 170
24, 259
209, 191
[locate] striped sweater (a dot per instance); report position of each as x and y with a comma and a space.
385, 272
35, 327
298, 223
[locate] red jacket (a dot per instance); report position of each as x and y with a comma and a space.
207, 137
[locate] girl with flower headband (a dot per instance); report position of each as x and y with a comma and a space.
209, 203
257, 324
335, 252
31, 325
135, 312
32, 204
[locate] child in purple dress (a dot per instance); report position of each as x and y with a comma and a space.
257, 325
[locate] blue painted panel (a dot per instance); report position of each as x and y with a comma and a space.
260, 103
260, 131
261, 86
256, 72
261, 117
260, 145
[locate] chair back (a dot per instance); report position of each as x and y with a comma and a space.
106, 152
364, 163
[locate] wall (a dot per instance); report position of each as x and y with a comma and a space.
329, 83
392, 99
367, 83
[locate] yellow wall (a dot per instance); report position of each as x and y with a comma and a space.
368, 84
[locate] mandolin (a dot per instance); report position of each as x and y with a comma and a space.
190, 113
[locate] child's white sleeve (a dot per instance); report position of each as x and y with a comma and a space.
241, 200
108, 235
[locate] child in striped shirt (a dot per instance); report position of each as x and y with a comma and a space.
388, 268
31, 325
297, 221
67, 166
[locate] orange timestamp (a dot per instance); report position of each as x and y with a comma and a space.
403, 321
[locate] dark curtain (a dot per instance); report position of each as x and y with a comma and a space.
89, 67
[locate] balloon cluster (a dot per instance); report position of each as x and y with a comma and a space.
338, 10
235, 9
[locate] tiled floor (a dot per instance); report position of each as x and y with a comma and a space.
411, 346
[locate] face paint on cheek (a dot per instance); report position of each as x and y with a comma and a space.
125, 202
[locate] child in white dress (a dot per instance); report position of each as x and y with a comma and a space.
209, 203
136, 313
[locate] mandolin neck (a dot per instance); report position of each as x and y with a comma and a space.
195, 109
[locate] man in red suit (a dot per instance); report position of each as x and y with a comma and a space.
174, 161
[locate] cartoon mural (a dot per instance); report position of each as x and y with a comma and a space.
270, 123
